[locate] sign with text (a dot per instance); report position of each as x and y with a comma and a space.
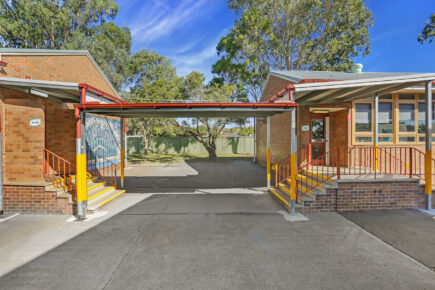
35, 122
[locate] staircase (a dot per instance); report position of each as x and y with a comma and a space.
314, 177
101, 179
312, 180
308, 188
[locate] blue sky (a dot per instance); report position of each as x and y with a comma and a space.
187, 32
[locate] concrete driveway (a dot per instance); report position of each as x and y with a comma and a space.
188, 175
221, 241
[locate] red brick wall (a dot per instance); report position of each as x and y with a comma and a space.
60, 130
34, 200
368, 195
22, 145
61, 68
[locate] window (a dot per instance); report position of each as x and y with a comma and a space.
385, 118
422, 118
363, 117
401, 120
406, 117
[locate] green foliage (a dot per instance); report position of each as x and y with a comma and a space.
428, 33
152, 80
243, 131
69, 24
206, 130
290, 35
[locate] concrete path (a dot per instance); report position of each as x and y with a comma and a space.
222, 241
24, 237
410, 231
188, 175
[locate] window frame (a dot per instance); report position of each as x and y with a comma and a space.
396, 134
356, 134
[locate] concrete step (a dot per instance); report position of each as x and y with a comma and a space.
103, 197
282, 198
317, 178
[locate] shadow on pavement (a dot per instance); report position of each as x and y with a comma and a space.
410, 231
191, 175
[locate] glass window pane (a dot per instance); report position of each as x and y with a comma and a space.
386, 97
422, 118
385, 139
423, 138
317, 131
363, 117
406, 139
407, 97
363, 139
385, 118
406, 118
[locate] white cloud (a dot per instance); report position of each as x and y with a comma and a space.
201, 60
160, 20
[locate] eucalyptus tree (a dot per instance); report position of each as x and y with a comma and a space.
428, 32
290, 35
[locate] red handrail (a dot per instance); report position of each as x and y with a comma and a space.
58, 170
100, 166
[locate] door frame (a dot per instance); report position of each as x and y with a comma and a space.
325, 118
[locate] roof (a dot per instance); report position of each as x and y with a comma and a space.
321, 91
186, 110
30, 51
59, 91
298, 76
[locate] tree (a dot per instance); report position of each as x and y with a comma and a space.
428, 32
153, 79
206, 130
69, 24
291, 35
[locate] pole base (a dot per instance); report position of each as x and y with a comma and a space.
293, 207
428, 202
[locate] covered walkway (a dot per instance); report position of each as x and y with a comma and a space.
161, 110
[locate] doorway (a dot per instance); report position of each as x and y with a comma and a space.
319, 132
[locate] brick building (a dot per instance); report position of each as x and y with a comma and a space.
349, 126
38, 125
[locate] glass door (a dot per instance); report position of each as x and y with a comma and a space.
317, 140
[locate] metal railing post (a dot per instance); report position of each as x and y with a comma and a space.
410, 163
338, 164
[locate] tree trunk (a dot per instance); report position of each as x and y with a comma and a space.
146, 141
211, 153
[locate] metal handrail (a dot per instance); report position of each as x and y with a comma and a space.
58, 170
100, 166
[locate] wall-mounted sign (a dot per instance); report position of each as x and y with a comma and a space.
35, 122
305, 128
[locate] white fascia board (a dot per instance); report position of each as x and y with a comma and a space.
39, 84
94, 98
364, 82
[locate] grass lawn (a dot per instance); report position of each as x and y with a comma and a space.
169, 158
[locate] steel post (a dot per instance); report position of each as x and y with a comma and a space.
122, 151
428, 157
1, 178
376, 131
81, 162
268, 152
293, 168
